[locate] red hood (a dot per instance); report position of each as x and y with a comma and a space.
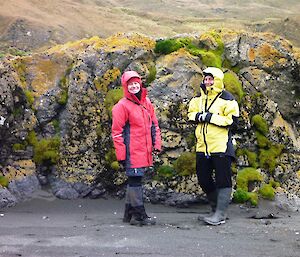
127, 75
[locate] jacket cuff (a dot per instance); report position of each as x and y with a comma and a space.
208, 117
197, 116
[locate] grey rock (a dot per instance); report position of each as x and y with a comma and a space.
7, 199
24, 188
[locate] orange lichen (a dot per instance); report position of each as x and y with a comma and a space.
251, 54
19, 170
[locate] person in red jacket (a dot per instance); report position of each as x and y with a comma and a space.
136, 135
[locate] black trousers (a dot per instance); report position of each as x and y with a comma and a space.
134, 181
213, 172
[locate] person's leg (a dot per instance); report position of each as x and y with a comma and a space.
128, 207
222, 166
204, 170
135, 194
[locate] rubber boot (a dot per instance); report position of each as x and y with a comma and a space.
212, 199
141, 218
127, 213
128, 207
219, 217
139, 215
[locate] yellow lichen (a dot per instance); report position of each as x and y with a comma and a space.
20, 169
125, 42
109, 76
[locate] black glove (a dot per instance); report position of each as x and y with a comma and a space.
122, 164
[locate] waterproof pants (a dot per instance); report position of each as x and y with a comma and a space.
213, 172
134, 202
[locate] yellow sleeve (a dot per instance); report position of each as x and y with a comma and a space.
231, 113
193, 109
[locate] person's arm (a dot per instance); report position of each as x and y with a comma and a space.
119, 118
230, 116
193, 111
155, 130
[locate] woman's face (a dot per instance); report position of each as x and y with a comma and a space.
134, 87
208, 81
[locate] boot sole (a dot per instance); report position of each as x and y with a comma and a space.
141, 223
215, 223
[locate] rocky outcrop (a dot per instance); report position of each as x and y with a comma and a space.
55, 112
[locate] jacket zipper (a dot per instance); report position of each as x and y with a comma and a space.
204, 135
142, 107
205, 131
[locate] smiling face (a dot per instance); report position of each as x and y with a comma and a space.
134, 87
208, 81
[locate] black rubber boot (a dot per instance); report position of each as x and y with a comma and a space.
127, 213
219, 217
140, 217
212, 199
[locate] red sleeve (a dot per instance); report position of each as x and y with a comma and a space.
119, 118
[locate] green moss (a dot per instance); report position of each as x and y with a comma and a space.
112, 97
63, 97
56, 126
260, 124
151, 76
251, 156
99, 131
233, 85
31, 138
170, 45
267, 157
115, 165
274, 183
17, 112
110, 156
262, 141
29, 97
241, 196
185, 164
20, 68
208, 57
3, 181
17, 52
19, 147
191, 140
47, 150
246, 175
267, 191
165, 171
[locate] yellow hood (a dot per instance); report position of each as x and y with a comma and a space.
218, 75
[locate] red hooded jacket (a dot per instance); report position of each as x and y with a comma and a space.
135, 129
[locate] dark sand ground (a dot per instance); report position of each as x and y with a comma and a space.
46, 226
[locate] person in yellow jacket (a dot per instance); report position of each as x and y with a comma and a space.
214, 112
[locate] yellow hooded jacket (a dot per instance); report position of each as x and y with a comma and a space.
213, 135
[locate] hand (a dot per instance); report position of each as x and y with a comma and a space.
202, 117
156, 151
122, 164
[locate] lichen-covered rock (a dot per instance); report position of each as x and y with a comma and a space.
7, 199
55, 112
